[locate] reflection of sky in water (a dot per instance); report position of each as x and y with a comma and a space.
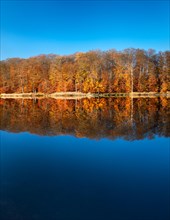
69, 178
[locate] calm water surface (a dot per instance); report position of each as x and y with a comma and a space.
85, 159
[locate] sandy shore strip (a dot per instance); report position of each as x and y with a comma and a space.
79, 95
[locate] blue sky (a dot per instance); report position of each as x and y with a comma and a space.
30, 28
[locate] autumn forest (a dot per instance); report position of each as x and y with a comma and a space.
91, 72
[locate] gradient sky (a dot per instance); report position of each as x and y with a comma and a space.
30, 28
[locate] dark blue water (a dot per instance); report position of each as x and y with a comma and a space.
68, 178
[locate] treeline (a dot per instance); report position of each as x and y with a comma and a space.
130, 119
95, 71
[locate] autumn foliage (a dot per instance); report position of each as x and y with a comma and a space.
95, 71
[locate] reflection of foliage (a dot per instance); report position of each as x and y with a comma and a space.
93, 118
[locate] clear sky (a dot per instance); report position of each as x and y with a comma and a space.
29, 28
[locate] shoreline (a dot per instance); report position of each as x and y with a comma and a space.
79, 95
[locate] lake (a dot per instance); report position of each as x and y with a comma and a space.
85, 159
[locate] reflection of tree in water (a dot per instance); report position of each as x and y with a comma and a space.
92, 118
